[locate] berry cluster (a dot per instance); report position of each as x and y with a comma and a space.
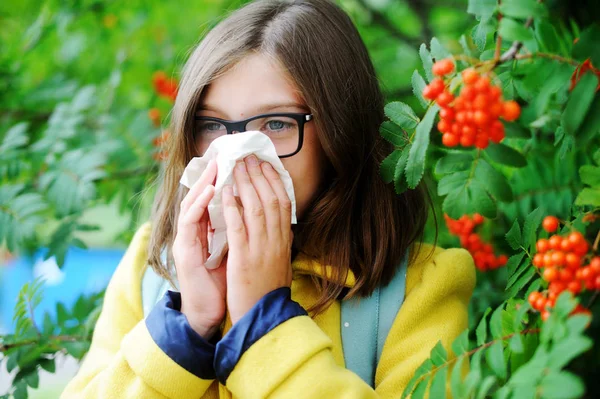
159, 142
562, 261
482, 252
164, 86
154, 115
472, 118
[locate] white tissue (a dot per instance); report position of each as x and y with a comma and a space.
226, 150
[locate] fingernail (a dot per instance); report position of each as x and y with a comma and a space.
241, 166
252, 160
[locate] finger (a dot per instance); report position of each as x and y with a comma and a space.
254, 214
236, 230
207, 177
268, 198
187, 226
285, 204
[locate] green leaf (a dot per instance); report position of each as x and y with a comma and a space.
485, 387
452, 182
561, 385
481, 331
48, 365
495, 359
418, 84
427, 61
438, 51
590, 128
402, 115
587, 45
513, 237
461, 343
588, 196
416, 157
482, 201
568, 349
496, 322
516, 343
547, 37
456, 384
506, 155
15, 137
579, 103
399, 180
438, 384
62, 314
76, 349
513, 263
521, 267
521, 282
393, 133
532, 223
438, 354
523, 9
388, 166
590, 175
454, 162
423, 369
420, 389
495, 182
513, 30
482, 8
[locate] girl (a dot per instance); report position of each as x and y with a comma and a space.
266, 322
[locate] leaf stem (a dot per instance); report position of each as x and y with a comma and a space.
472, 351
61, 338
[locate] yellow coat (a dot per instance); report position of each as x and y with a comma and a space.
300, 358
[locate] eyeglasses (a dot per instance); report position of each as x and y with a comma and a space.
286, 130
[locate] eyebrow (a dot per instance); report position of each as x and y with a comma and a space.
260, 110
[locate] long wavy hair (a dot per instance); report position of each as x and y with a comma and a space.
355, 222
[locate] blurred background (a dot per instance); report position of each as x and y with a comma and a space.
85, 93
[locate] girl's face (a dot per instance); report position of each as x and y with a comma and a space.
258, 85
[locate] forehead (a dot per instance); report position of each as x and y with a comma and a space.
254, 84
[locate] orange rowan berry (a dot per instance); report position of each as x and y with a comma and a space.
576, 238
540, 303
443, 67
550, 274
545, 315
444, 98
542, 245
533, 297
573, 261
566, 275
574, 286
555, 241
538, 260
443, 126
470, 76
550, 224
595, 264
450, 140
447, 113
582, 248
558, 258
511, 111
482, 84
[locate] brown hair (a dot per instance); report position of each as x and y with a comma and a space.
355, 222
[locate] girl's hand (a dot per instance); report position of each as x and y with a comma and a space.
203, 291
259, 235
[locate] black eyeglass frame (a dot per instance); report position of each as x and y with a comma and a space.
240, 126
